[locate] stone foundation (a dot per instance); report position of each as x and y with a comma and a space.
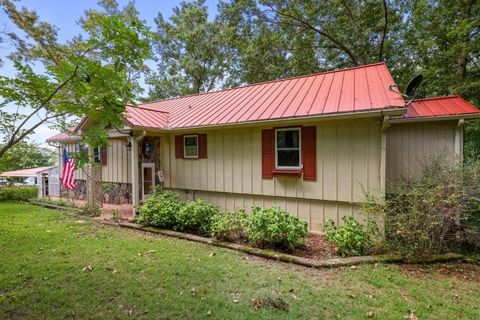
117, 193
79, 193
113, 193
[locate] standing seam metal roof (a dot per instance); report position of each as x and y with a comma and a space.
362, 88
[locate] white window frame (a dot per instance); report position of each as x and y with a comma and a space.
299, 149
185, 150
99, 154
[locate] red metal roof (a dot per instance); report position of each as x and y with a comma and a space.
440, 107
146, 118
64, 136
362, 88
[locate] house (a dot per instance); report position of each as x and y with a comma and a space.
311, 144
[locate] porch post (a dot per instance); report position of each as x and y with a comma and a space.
134, 162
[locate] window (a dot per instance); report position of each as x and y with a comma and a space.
97, 155
287, 148
190, 146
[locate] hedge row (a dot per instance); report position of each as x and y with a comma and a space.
22, 193
271, 227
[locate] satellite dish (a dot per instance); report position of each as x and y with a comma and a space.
413, 85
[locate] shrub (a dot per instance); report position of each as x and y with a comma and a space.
229, 225
90, 211
352, 238
433, 213
23, 193
275, 227
196, 217
159, 210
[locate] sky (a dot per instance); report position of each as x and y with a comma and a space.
65, 14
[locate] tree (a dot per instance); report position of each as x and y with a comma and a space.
91, 75
260, 47
311, 36
25, 155
443, 41
191, 51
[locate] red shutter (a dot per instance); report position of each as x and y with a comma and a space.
268, 153
202, 146
179, 147
103, 156
309, 152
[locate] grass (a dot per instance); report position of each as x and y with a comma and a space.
46, 257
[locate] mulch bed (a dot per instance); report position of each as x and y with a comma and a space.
316, 247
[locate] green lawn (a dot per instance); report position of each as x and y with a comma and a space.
44, 273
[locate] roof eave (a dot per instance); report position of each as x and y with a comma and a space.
388, 111
466, 116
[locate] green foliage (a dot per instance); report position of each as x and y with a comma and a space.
196, 217
192, 52
436, 212
351, 238
91, 75
116, 215
90, 211
23, 193
160, 209
229, 225
26, 155
276, 228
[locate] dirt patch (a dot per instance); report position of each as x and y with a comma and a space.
458, 270
316, 247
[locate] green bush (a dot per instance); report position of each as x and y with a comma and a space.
352, 238
196, 217
274, 227
159, 210
229, 225
23, 193
435, 213
90, 211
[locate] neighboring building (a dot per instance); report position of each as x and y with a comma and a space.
37, 177
311, 144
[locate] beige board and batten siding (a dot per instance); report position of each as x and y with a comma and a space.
117, 169
348, 162
413, 146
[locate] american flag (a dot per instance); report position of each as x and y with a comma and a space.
68, 180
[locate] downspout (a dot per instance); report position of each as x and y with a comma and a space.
383, 155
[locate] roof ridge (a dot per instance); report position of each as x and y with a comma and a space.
265, 82
148, 109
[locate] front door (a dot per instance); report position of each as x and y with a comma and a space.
148, 178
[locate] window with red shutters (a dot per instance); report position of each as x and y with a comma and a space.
309, 152
179, 147
268, 153
202, 146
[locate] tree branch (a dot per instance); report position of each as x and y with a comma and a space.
13, 140
384, 34
336, 42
